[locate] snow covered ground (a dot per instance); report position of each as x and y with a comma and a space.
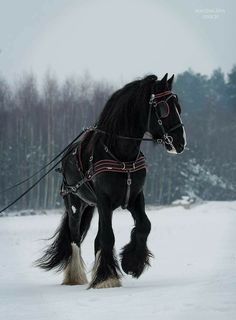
193, 275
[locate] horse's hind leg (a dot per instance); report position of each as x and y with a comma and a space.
135, 255
80, 215
106, 272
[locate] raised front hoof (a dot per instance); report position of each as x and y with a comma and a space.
135, 272
109, 283
134, 263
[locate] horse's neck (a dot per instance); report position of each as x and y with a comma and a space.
126, 150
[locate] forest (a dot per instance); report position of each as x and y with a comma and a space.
39, 120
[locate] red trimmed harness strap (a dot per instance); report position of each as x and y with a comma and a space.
163, 94
116, 166
107, 165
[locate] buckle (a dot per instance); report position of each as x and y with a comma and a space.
152, 98
129, 181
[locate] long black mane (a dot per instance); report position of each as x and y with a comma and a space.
126, 110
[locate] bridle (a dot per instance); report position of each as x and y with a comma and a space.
154, 102
153, 105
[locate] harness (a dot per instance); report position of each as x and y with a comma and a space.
115, 165
101, 166
118, 166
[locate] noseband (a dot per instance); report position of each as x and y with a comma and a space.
154, 102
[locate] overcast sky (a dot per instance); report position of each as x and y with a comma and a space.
116, 40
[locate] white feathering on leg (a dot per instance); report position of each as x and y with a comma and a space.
96, 264
109, 283
74, 273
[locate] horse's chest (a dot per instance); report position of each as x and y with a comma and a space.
119, 188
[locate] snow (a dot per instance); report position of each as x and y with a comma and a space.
193, 275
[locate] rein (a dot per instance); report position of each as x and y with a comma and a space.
166, 139
64, 151
123, 137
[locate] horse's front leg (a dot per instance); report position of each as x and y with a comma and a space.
135, 255
106, 272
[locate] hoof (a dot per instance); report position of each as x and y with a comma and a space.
73, 283
74, 273
109, 283
133, 262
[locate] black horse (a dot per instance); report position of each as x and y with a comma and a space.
106, 169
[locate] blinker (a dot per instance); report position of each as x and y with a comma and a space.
163, 109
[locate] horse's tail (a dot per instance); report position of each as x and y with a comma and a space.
58, 254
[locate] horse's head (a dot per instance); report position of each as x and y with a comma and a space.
164, 121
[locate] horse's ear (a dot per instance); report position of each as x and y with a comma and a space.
164, 79
170, 81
